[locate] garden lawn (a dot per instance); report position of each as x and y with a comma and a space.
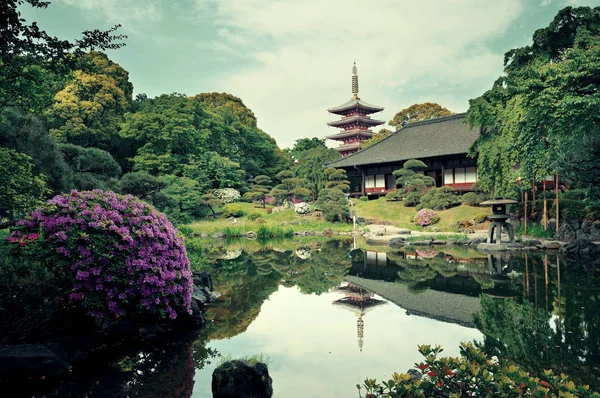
381, 210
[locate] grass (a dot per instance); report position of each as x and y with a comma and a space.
395, 212
534, 230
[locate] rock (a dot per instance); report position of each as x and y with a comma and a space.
302, 208
201, 295
552, 245
439, 242
533, 242
277, 209
360, 220
499, 247
151, 332
120, 329
404, 232
476, 241
237, 379
398, 242
566, 233
203, 278
585, 226
327, 231
303, 253
195, 319
414, 374
31, 360
251, 235
218, 235
552, 224
421, 243
204, 235
581, 235
580, 246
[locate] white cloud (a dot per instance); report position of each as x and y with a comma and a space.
303, 53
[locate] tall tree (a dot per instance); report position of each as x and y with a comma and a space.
92, 168
28, 52
543, 114
20, 188
381, 134
418, 112
310, 165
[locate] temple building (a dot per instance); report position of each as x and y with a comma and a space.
359, 301
442, 144
355, 122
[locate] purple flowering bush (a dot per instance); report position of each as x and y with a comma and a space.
119, 256
425, 217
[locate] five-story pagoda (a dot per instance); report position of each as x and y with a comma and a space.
355, 122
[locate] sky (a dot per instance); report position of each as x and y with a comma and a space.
291, 60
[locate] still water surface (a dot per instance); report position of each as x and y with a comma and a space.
328, 314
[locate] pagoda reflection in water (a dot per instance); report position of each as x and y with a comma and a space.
360, 301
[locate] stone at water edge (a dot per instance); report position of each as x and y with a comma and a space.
203, 278
237, 379
31, 360
566, 233
581, 246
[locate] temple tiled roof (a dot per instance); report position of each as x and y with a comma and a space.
350, 133
448, 135
361, 119
355, 103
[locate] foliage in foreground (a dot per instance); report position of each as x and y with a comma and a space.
117, 255
473, 374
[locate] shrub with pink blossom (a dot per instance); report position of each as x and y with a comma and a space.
119, 256
425, 217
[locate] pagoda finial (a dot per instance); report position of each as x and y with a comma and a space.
354, 82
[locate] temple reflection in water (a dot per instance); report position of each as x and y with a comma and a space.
360, 301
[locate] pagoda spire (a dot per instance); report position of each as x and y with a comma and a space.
354, 82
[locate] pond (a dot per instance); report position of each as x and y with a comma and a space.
328, 314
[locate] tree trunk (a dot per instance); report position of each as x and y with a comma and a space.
525, 215
545, 215
556, 192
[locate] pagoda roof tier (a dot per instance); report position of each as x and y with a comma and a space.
355, 103
350, 133
355, 119
349, 147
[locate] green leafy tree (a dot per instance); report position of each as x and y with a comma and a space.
260, 189
290, 187
542, 114
92, 168
410, 183
141, 184
88, 111
337, 179
310, 165
304, 144
418, 112
20, 188
181, 199
381, 134
333, 204
25, 133
211, 202
28, 53
215, 171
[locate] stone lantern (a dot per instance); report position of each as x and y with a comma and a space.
498, 219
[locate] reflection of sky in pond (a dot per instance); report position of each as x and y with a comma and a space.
313, 345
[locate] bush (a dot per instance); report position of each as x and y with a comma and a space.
333, 204
117, 255
480, 217
364, 198
227, 195
254, 216
231, 210
473, 374
472, 199
439, 199
426, 217
260, 221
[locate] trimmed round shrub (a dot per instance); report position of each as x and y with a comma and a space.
471, 199
363, 198
426, 217
231, 210
227, 195
254, 216
480, 217
118, 255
